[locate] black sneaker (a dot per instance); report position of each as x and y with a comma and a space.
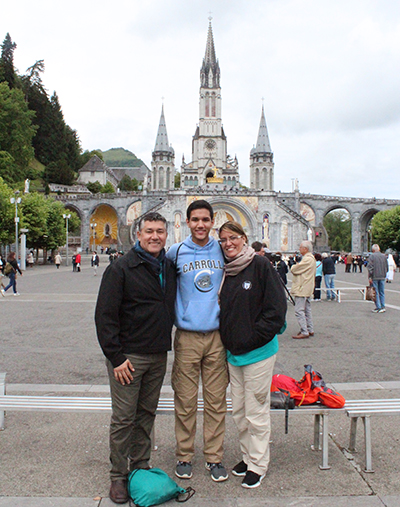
252, 480
183, 470
218, 472
240, 469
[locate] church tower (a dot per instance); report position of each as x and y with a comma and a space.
163, 159
262, 160
209, 149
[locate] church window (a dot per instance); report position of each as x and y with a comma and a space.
207, 103
213, 109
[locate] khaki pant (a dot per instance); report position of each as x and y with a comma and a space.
195, 354
250, 388
134, 408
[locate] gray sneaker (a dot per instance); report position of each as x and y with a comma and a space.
183, 469
218, 472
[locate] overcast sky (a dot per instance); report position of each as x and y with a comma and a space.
328, 72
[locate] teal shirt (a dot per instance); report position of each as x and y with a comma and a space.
256, 355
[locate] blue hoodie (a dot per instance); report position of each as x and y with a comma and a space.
199, 270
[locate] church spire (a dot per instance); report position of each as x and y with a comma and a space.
210, 72
162, 136
263, 145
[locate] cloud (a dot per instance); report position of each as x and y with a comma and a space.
328, 72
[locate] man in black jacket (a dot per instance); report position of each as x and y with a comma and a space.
329, 272
134, 318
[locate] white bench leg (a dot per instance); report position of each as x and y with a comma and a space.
368, 444
2, 393
353, 433
325, 442
317, 433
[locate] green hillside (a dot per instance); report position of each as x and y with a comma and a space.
119, 157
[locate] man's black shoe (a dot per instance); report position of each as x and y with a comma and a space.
119, 491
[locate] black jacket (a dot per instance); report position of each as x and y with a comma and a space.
133, 313
328, 266
253, 307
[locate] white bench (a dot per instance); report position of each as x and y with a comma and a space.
364, 409
165, 405
339, 291
353, 408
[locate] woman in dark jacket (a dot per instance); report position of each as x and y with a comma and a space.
12, 274
253, 309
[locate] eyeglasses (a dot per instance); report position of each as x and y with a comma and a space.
232, 239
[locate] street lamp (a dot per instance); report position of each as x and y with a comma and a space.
66, 217
16, 200
93, 225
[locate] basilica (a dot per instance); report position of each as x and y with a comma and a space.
280, 220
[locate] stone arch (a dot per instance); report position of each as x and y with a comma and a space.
364, 222
75, 209
105, 233
323, 238
238, 211
75, 237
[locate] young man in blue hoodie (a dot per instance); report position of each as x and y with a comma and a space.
198, 348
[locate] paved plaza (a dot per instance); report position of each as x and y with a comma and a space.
49, 346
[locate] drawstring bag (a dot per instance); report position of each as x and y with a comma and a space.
152, 487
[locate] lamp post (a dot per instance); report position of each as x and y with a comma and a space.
93, 225
16, 200
66, 217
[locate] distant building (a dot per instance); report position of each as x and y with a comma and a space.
96, 170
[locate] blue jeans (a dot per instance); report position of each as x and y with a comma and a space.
380, 293
329, 284
12, 283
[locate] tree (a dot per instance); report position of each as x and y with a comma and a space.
55, 141
128, 184
34, 217
8, 169
74, 223
177, 182
385, 229
107, 188
7, 211
94, 187
43, 217
7, 71
338, 226
59, 172
16, 132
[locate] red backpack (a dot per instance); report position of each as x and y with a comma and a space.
310, 389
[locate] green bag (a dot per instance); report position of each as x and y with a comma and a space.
8, 269
152, 487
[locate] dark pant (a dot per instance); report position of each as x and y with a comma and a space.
133, 412
317, 288
13, 283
